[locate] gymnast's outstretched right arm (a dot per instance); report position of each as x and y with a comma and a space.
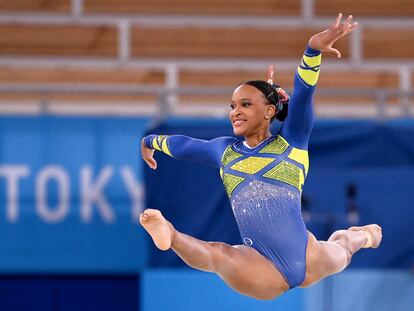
208, 152
298, 125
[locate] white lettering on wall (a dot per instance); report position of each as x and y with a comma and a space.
12, 173
91, 193
46, 175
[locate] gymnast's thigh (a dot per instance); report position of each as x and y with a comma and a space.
322, 260
247, 268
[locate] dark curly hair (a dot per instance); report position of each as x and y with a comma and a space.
272, 98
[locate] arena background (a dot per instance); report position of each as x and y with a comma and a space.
81, 82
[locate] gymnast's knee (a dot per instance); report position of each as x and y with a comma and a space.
341, 237
219, 256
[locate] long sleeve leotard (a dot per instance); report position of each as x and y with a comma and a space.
264, 183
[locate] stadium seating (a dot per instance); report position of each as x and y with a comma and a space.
202, 7
198, 43
373, 8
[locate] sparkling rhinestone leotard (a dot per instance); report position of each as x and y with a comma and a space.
264, 183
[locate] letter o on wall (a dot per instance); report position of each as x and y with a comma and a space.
59, 175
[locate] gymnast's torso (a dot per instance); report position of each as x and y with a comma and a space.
264, 183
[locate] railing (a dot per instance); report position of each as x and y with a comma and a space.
168, 104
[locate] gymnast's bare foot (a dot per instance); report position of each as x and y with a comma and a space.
374, 234
160, 230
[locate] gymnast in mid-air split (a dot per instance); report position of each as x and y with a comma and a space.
263, 175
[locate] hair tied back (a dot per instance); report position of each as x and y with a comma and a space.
270, 74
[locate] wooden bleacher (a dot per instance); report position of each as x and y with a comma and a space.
199, 7
58, 40
79, 75
374, 8
65, 48
328, 79
350, 79
385, 43
183, 42
36, 5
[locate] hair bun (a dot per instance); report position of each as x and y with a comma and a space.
282, 114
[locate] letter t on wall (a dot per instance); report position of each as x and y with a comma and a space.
13, 173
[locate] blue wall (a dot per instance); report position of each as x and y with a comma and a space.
362, 290
70, 194
68, 293
71, 190
359, 290
184, 289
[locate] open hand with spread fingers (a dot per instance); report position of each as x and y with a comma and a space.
324, 40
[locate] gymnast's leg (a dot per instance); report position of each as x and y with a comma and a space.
330, 257
241, 267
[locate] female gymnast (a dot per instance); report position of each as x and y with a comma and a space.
263, 175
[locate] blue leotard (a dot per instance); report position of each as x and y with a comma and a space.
264, 183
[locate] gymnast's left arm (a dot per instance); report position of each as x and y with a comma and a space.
297, 127
182, 147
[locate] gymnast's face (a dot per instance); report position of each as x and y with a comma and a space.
249, 113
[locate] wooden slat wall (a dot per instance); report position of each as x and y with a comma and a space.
35, 5
328, 79
72, 75
395, 43
181, 42
201, 7
61, 40
319, 99
79, 76
359, 80
412, 80
230, 78
79, 99
357, 8
197, 43
356, 80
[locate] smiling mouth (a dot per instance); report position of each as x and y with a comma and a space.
238, 122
